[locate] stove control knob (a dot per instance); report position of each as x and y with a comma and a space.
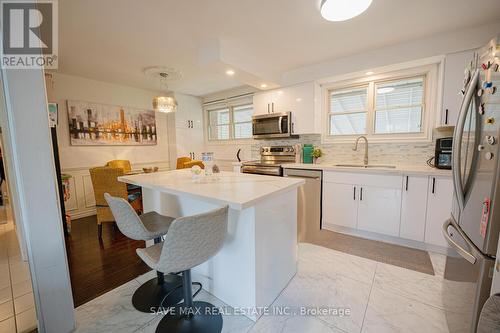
490, 121
491, 140
495, 67
480, 148
489, 156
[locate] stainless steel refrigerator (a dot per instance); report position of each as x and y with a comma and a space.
474, 225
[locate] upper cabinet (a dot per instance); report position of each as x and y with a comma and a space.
299, 99
454, 66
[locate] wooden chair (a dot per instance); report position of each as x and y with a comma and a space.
104, 180
186, 163
123, 164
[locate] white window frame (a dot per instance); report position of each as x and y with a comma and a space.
221, 106
432, 74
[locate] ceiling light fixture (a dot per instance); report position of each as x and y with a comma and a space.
369, 73
342, 10
263, 85
230, 72
164, 104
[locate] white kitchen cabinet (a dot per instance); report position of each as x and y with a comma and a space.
408, 207
298, 99
413, 207
439, 204
454, 66
340, 204
379, 210
362, 201
189, 135
263, 102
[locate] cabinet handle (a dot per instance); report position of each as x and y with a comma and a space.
354, 196
446, 117
406, 183
433, 185
268, 108
361, 194
272, 107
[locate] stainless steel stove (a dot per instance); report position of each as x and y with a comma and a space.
271, 161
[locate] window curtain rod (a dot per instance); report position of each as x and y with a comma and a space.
228, 99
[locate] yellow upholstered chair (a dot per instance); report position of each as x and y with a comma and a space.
104, 180
186, 163
122, 164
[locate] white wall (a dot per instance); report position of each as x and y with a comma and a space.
440, 44
67, 87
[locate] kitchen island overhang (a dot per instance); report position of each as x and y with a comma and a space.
259, 256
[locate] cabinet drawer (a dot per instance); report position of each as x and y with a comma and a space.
362, 178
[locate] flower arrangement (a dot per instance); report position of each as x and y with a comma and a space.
316, 154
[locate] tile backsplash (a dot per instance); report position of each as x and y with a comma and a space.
378, 153
414, 154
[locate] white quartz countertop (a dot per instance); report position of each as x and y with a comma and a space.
401, 169
237, 190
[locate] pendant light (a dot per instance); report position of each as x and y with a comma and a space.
165, 104
342, 10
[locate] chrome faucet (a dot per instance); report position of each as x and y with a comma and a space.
355, 148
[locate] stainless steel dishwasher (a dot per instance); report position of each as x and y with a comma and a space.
309, 201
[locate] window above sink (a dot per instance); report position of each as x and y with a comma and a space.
398, 105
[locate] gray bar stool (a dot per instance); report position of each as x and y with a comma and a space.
190, 241
148, 226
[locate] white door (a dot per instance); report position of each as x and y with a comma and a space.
299, 100
379, 210
413, 207
454, 67
340, 204
439, 202
262, 102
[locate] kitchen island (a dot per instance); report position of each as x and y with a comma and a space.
259, 256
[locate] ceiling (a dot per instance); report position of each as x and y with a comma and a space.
114, 40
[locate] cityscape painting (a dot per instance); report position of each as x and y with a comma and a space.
98, 124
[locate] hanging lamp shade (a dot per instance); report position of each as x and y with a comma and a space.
165, 104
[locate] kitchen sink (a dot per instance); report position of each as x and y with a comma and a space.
380, 166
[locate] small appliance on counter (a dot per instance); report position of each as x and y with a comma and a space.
442, 157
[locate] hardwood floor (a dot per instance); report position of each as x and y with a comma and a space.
98, 267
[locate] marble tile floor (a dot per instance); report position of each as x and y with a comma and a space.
357, 295
17, 304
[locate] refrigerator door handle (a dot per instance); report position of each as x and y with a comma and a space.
466, 254
457, 141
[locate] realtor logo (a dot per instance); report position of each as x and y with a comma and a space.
29, 34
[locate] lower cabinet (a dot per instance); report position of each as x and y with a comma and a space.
411, 207
364, 202
379, 210
439, 202
340, 204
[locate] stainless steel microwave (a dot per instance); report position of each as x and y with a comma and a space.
274, 125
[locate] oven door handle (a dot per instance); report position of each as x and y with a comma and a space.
258, 170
